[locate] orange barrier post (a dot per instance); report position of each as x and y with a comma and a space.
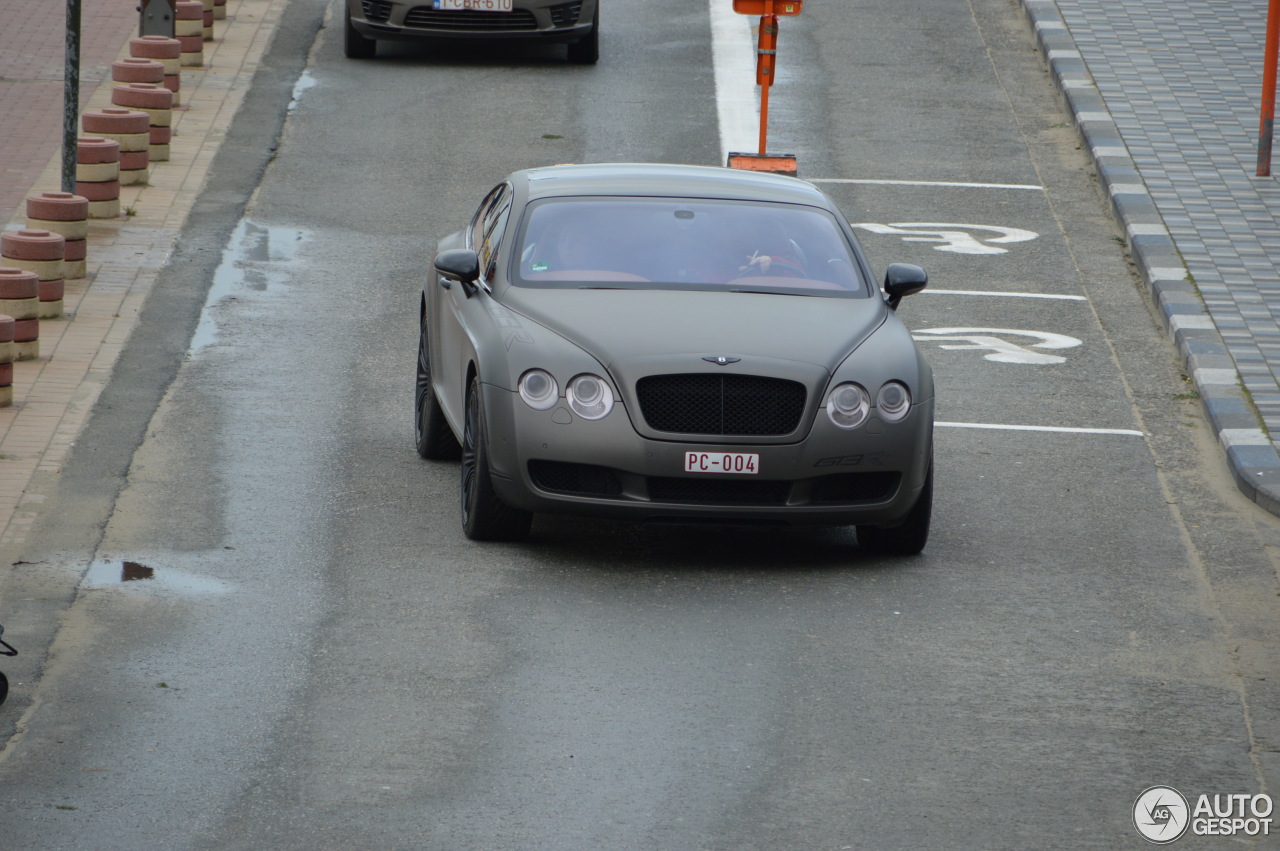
1267, 120
766, 62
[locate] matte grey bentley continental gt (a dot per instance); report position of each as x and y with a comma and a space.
664, 342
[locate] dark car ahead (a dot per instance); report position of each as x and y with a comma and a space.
665, 342
576, 23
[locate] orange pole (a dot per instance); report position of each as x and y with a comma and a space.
764, 117
1267, 120
765, 20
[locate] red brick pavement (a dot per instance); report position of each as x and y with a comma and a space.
32, 65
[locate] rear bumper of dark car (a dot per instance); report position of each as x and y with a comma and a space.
397, 20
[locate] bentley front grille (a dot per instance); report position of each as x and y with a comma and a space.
721, 405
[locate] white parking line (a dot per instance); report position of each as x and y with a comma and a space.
934, 291
1126, 432
733, 56
944, 183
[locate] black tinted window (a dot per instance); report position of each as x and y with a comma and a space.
666, 243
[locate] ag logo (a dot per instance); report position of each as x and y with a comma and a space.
1161, 814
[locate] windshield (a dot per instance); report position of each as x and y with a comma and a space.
668, 243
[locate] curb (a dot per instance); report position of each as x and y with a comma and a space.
1251, 455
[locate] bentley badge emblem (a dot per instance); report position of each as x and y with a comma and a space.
721, 360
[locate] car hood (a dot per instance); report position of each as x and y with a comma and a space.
626, 326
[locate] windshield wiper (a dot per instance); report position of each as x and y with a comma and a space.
772, 292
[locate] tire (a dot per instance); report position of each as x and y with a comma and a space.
4, 687
355, 45
432, 436
909, 537
586, 50
485, 517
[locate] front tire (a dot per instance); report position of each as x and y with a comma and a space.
432, 436
586, 50
909, 537
355, 45
485, 517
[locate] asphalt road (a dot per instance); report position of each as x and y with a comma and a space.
317, 657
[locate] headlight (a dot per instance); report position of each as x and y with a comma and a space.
893, 401
538, 389
848, 405
590, 397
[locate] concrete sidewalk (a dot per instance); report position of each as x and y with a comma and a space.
54, 394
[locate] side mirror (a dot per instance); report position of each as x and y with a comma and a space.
902, 280
461, 265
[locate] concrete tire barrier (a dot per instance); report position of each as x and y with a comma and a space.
188, 19
188, 29
6, 360
98, 175
43, 254
192, 50
132, 130
20, 299
136, 70
168, 52
66, 214
219, 10
157, 102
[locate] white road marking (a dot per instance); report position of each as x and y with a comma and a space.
1002, 351
734, 58
1127, 432
934, 291
941, 183
955, 238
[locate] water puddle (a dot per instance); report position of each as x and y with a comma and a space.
108, 573
256, 259
305, 82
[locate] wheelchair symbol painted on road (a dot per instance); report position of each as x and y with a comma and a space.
999, 349
953, 238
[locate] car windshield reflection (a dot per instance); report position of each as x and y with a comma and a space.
666, 243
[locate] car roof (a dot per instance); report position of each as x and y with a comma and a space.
680, 181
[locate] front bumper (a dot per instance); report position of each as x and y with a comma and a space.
554, 462
396, 20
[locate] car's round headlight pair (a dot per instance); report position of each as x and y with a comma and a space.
589, 396
849, 404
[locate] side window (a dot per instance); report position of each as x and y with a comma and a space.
488, 226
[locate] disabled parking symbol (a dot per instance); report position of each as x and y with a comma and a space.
999, 349
954, 238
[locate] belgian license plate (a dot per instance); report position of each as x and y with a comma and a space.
473, 5
745, 463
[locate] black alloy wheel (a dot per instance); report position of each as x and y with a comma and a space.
434, 439
485, 517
